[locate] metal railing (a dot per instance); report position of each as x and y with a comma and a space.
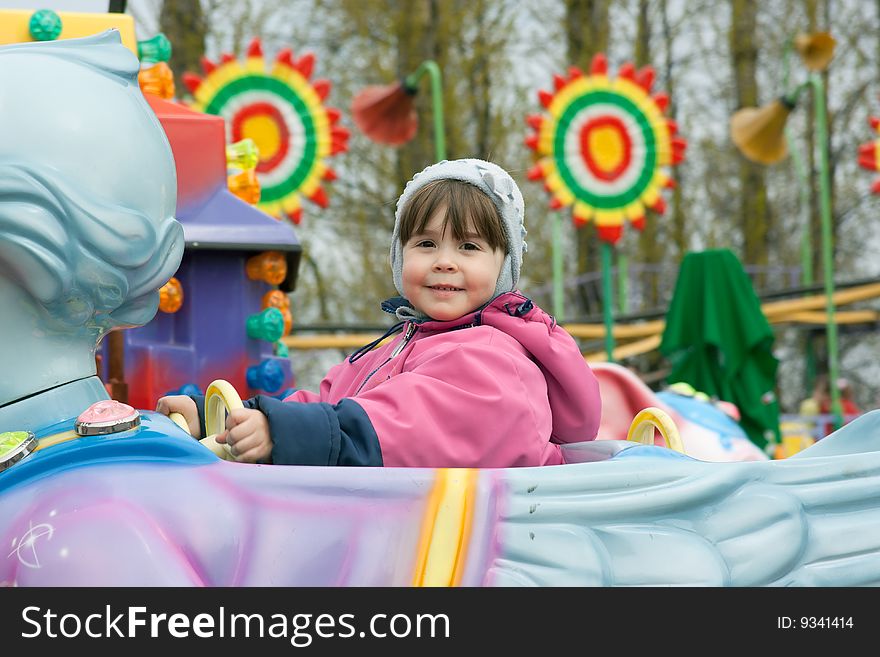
650, 286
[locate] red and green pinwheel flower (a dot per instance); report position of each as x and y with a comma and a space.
282, 111
604, 146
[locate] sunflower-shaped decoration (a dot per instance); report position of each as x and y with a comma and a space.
869, 154
283, 113
603, 145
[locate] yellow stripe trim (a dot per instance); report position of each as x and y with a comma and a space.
446, 529
56, 439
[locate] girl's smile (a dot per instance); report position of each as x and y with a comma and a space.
444, 291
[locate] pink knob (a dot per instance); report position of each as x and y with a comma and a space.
108, 416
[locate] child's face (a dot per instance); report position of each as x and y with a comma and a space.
445, 277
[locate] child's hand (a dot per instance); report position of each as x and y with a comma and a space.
247, 434
186, 407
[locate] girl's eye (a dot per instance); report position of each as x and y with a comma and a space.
425, 244
470, 246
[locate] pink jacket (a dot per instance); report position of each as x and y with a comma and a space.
502, 386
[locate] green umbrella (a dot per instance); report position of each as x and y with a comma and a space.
719, 341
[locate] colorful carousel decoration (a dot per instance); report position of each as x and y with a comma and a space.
283, 113
604, 148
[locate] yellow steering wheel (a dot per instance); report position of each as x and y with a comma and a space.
219, 398
642, 428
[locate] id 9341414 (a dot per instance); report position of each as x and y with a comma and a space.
814, 622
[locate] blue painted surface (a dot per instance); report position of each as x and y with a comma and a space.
156, 440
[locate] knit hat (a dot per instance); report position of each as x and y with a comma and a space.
497, 184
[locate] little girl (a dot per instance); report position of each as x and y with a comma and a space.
480, 377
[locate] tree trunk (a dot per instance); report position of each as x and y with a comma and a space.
185, 26
754, 213
677, 217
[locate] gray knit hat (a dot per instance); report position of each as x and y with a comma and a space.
497, 184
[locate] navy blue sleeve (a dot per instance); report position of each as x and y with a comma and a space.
315, 433
318, 433
200, 406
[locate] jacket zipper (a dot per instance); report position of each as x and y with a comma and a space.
410, 331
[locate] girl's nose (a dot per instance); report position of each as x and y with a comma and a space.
445, 262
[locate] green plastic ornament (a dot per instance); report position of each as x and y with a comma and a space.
267, 325
45, 25
242, 155
157, 49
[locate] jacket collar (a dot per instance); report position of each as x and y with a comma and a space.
513, 303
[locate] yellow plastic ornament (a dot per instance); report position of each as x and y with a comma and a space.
242, 155
171, 296
269, 266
